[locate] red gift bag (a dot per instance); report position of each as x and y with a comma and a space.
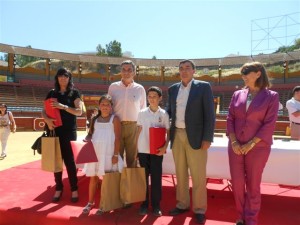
157, 138
52, 112
83, 152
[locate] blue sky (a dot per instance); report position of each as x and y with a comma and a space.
165, 29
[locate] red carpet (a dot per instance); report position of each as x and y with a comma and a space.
26, 194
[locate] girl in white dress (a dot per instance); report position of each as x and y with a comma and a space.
105, 132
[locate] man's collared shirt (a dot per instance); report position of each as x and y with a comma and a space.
181, 103
127, 100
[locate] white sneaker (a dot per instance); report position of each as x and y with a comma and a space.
3, 155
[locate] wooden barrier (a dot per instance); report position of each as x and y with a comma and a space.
37, 124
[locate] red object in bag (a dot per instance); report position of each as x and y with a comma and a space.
51, 112
157, 138
83, 152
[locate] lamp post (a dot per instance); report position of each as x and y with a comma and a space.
137, 72
220, 74
162, 73
108, 73
284, 71
14, 68
79, 71
49, 68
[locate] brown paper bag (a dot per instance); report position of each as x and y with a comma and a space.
133, 185
51, 155
110, 192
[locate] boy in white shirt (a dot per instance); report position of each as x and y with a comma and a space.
152, 116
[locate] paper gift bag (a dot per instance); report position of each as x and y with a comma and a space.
51, 155
83, 152
51, 112
157, 138
110, 192
133, 185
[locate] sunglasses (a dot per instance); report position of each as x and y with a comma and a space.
245, 71
63, 75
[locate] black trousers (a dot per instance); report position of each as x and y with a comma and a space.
67, 155
153, 166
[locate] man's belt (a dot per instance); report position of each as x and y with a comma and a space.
296, 123
127, 122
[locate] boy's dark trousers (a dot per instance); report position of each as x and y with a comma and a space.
153, 166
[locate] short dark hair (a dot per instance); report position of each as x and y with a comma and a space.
155, 89
263, 80
128, 62
188, 61
297, 88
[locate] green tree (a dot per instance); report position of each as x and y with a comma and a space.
100, 51
112, 49
291, 48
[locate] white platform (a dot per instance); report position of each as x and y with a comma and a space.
283, 166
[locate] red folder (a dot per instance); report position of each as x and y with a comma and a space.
157, 138
83, 152
52, 112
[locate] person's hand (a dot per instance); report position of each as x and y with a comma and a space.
87, 138
50, 123
55, 104
246, 148
205, 145
14, 129
114, 159
162, 151
237, 149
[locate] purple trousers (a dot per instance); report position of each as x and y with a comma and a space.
246, 173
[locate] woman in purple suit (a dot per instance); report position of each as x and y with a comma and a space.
250, 125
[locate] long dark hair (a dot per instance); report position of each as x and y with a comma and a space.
5, 106
63, 71
102, 98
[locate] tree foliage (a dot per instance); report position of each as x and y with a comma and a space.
112, 49
291, 48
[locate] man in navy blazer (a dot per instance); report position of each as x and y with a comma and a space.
192, 114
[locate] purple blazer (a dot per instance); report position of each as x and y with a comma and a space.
258, 121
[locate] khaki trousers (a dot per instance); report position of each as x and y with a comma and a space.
295, 131
185, 157
128, 148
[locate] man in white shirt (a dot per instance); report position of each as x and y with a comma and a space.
191, 110
293, 106
128, 99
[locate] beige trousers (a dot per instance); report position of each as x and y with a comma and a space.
194, 161
128, 148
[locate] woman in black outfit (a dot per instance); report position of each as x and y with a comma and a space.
70, 105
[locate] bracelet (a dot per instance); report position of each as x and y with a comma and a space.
116, 155
66, 107
233, 142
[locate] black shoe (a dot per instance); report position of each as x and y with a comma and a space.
157, 212
240, 223
200, 218
176, 211
127, 205
143, 211
57, 196
75, 198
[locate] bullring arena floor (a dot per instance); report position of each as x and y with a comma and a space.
26, 193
